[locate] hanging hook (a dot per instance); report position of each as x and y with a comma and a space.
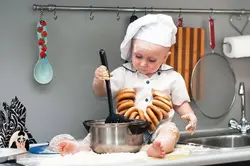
239, 18
180, 13
145, 10
41, 12
133, 11
55, 16
118, 13
152, 10
91, 17
211, 13
133, 17
52, 7
241, 15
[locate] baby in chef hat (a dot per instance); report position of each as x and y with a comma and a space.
146, 48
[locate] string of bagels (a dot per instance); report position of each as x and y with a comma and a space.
155, 112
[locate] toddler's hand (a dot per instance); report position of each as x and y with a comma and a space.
68, 147
101, 73
191, 118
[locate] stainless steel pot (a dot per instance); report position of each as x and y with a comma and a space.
116, 137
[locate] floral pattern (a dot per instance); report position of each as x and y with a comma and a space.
42, 34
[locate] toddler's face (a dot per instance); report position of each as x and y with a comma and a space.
148, 57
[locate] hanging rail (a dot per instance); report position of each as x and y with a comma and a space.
52, 7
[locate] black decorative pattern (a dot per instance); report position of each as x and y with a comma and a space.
3, 129
16, 118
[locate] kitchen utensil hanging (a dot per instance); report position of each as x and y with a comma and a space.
213, 82
180, 20
133, 17
43, 72
240, 19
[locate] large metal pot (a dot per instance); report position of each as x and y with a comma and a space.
116, 137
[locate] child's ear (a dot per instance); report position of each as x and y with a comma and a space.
166, 56
169, 53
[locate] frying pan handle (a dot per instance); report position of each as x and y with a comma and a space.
212, 33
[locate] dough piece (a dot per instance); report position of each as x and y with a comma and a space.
53, 144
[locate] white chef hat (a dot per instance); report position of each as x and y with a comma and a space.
154, 28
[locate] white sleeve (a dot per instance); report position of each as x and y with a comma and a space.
179, 91
117, 80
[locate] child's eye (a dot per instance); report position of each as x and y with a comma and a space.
152, 60
138, 56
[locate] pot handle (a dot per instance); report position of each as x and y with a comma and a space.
85, 124
139, 127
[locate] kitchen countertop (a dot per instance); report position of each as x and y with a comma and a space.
183, 155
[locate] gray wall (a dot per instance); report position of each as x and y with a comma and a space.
73, 45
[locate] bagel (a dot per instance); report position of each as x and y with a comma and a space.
161, 94
123, 101
122, 112
123, 96
53, 144
157, 112
125, 106
168, 102
164, 113
141, 114
129, 111
161, 105
152, 116
126, 90
152, 127
133, 115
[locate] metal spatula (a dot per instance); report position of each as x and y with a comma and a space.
113, 117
